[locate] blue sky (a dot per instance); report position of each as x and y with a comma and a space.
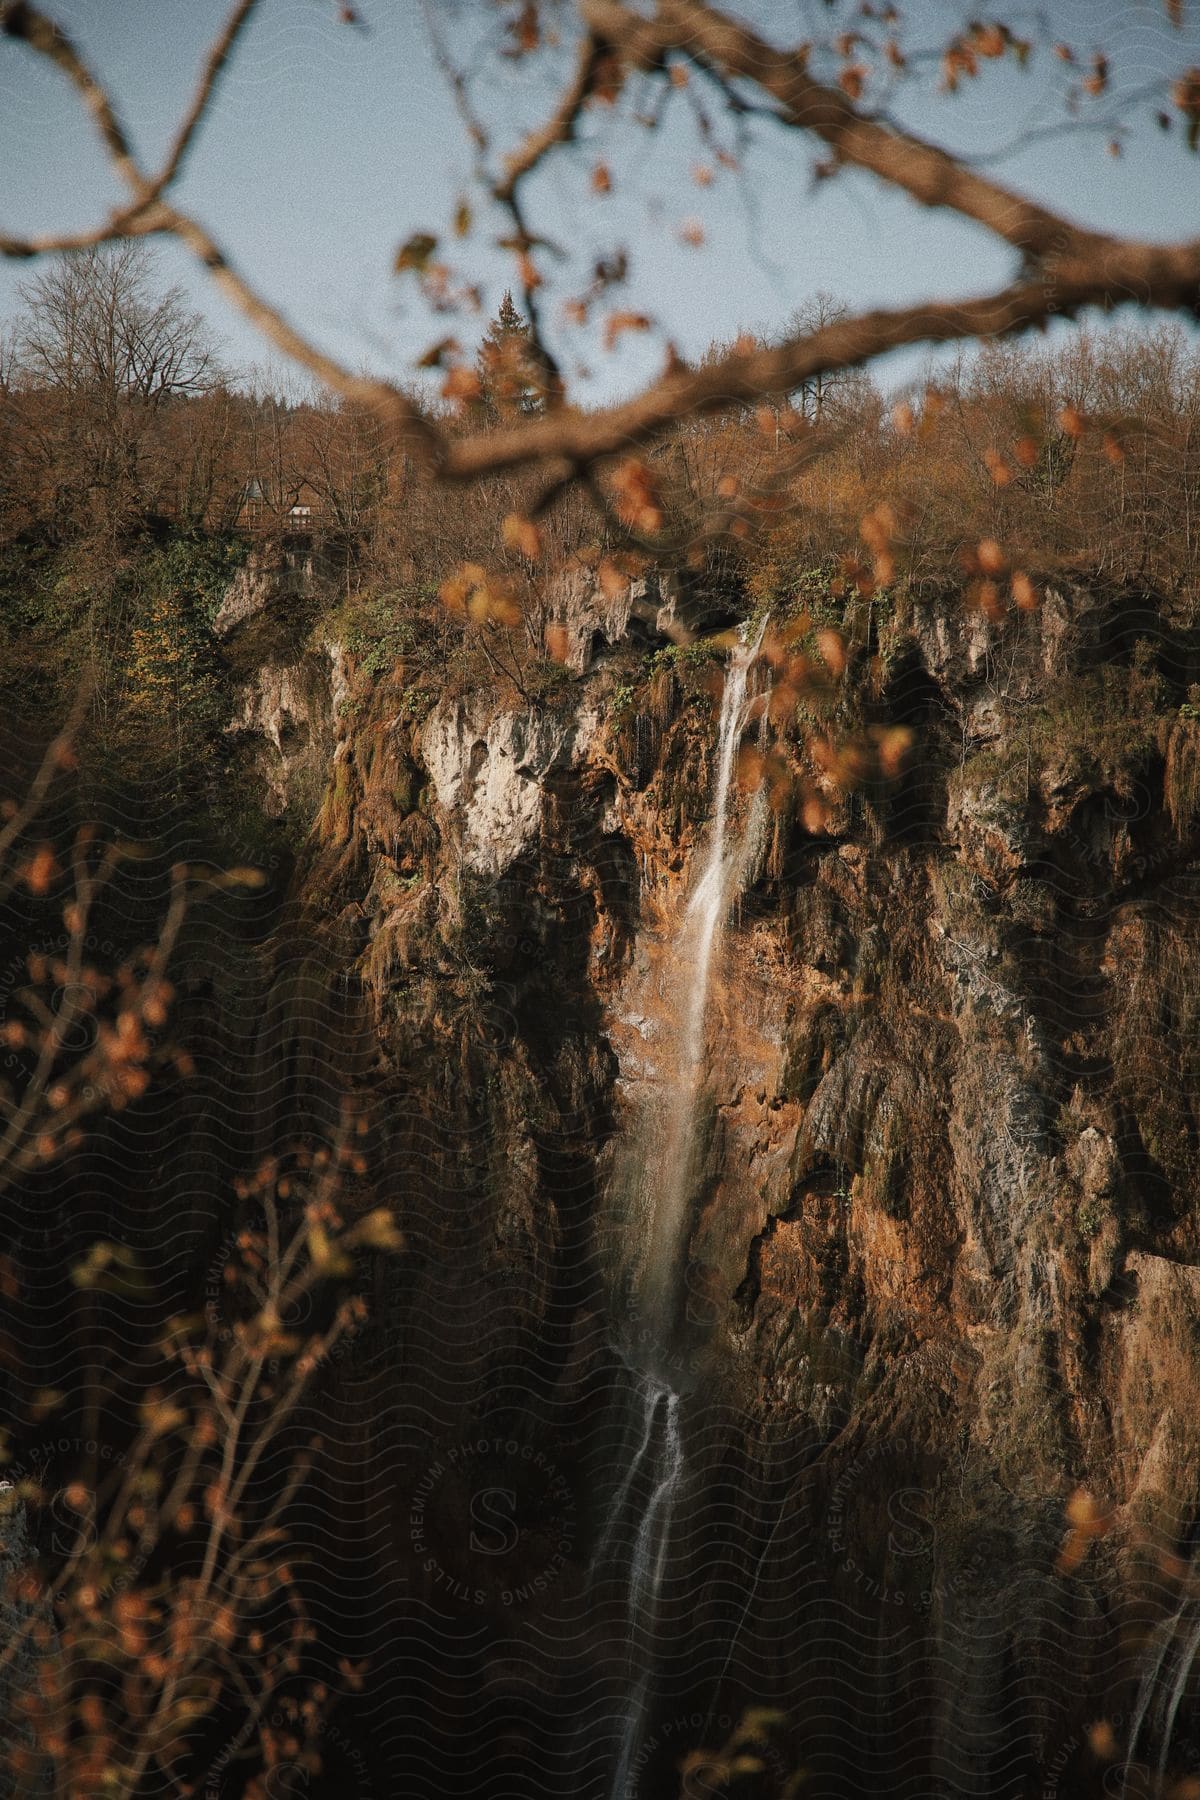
330, 144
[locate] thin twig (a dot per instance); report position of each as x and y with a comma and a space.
559, 127
214, 68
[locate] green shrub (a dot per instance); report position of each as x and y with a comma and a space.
378, 630
546, 682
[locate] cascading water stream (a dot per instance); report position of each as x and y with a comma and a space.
1169, 1669
668, 1165
1183, 1674
670, 1173
647, 1561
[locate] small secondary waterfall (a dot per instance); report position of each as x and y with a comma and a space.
636, 1537
1176, 1647
651, 1484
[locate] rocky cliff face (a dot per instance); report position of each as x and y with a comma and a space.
943, 1263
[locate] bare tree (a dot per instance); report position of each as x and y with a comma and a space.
96, 324
829, 395
100, 352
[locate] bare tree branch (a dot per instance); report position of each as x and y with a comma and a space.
456, 80
55, 758
214, 67
559, 128
1151, 275
424, 438
49, 40
927, 173
129, 221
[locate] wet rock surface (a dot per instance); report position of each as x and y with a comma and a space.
943, 1253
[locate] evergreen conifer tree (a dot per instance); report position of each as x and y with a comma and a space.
508, 374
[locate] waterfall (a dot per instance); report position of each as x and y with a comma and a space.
669, 1161
636, 1536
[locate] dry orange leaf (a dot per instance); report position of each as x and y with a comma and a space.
462, 384
1024, 594
1102, 1741
997, 468
637, 495
415, 253
751, 764
612, 583
481, 596
894, 746
521, 534
439, 355
607, 79
1072, 1553
932, 408
558, 643
1088, 1519
1088, 1514
986, 596
1096, 83
618, 323
1186, 95
41, 871
855, 570
531, 276
878, 527
833, 650
989, 39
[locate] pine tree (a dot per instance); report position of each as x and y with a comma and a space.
508, 375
